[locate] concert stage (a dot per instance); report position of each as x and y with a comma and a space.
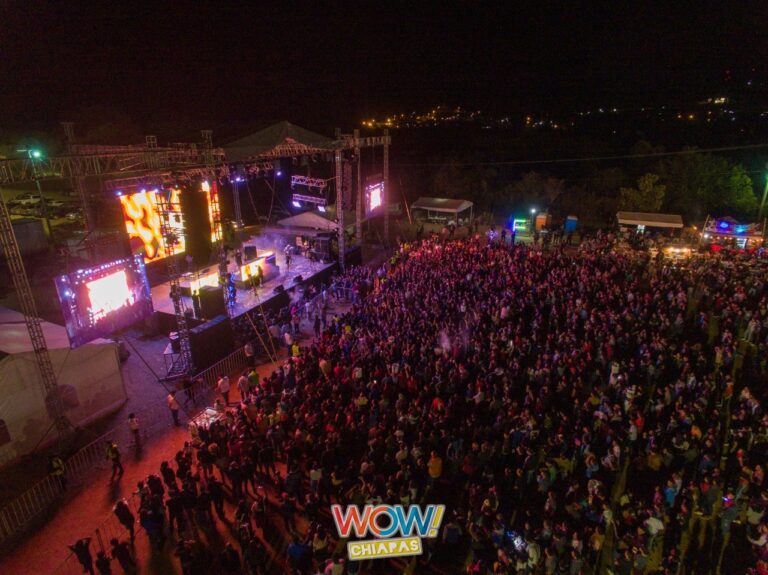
246, 299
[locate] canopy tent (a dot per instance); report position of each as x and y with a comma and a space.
311, 220
279, 140
649, 220
436, 206
89, 379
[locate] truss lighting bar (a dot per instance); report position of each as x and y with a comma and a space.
309, 182
309, 199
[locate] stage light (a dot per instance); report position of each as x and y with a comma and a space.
296, 204
118, 193
279, 173
321, 209
36, 153
533, 210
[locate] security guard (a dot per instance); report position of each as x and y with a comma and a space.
56, 470
113, 455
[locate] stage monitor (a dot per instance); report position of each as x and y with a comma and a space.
142, 222
101, 300
374, 196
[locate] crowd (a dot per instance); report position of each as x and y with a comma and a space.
575, 410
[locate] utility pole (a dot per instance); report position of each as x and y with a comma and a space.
340, 209
359, 192
385, 191
765, 193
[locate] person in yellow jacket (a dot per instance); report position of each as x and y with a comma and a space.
56, 470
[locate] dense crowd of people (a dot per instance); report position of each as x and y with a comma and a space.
575, 410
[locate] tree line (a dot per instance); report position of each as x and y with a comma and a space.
693, 184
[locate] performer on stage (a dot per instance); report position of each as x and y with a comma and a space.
231, 289
196, 304
257, 280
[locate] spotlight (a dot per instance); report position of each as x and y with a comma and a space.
279, 173
119, 193
296, 204
321, 209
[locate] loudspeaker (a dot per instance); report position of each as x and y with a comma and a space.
212, 302
211, 341
175, 342
279, 289
354, 256
249, 253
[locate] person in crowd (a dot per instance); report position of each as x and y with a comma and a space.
114, 457
173, 406
82, 550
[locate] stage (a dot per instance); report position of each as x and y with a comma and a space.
246, 299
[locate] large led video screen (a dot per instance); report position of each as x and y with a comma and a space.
374, 196
142, 222
214, 215
101, 300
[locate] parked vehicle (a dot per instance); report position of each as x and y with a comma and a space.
29, 199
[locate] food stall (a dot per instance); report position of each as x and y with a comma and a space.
204, 420
727, 233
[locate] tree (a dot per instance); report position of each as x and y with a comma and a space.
535, 190
701, 184
648, 196
740, 195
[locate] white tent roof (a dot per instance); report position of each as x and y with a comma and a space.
14, 337
311, 220
446, 205
650, 220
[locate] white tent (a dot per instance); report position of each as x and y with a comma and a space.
89, 378
311, 220
649, 220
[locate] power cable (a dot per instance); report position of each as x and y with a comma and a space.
594, 158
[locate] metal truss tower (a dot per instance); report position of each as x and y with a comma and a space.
29, 309
169, 208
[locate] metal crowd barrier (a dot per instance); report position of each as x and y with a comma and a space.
17, 515
100, 537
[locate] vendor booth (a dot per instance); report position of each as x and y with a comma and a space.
728, 233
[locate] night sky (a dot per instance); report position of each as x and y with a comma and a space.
176, 66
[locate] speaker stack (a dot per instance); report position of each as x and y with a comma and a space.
212, 302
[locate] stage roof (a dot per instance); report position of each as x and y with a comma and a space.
441, 205
650, 220
278, 141
310, 220
14, 337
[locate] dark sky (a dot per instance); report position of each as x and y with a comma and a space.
174, 66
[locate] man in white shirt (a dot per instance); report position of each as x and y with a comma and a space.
223, 387
173, 405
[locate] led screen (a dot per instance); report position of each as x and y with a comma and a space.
98, 301
142, 221
374, 196
214, 216
109, 293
